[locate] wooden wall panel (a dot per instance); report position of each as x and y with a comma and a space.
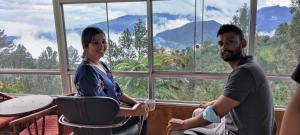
158, 119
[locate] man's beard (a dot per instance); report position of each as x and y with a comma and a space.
232, 55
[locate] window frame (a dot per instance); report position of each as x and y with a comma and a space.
66, 72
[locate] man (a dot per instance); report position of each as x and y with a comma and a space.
246, 100
291, 118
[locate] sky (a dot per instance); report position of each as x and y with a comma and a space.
28, 18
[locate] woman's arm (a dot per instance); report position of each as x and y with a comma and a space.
137, 110
291, 119
128, 100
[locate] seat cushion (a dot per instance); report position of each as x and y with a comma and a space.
5, 120
51, 126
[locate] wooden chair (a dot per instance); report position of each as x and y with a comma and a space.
35, 123
4, 97
4, 121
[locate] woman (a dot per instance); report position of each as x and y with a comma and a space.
93, 78
291, 119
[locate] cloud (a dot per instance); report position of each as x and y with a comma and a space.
266, 3
168, 24
74, 39
174, 7
28, 34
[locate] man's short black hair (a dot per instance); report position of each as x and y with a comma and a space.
230, 28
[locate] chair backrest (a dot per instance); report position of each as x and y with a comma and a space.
4, 97
89, 111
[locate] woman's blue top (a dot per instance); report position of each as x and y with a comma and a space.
91, 81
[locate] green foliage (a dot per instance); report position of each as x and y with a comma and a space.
15, 87
241, 18
126, 43
48, 59
20, 58
74, 58
294, 34
295, 5
140, 39
3, 43
208, 59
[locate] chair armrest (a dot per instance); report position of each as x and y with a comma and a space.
119, 124
32, 117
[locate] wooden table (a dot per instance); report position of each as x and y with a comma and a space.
24, 105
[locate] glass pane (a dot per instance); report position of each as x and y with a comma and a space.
128, 36
133, 86
173, 35
216, 13
277, 39
282, 92
25, 42
78, 17
31, 84
188, 89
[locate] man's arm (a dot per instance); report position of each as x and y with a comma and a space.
291, 119
222, 106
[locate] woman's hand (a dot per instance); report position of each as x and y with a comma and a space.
204, 105
175, 125
141, 109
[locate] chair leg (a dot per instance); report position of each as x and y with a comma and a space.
43, 125
28, 128
36, 127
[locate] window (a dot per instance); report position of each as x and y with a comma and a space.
25, 42
28, 48
173, 35
183, 62
277, 39
188, 89
277, 45
128, 36
215, 14
134, 86
78, 17
125, 30
185, 39
282, 90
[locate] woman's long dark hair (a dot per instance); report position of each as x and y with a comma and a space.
87, 36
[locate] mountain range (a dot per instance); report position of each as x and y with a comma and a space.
268, 18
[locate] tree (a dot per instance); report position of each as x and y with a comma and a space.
140, 39
115, 52
241, 18
48, 59
294, 34
125, 42
20, 58
15, 87
295, 5
74, 58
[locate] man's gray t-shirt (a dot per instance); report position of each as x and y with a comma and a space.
254, 115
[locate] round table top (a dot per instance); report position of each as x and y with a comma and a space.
24, 104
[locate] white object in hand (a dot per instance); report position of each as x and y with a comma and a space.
151, 104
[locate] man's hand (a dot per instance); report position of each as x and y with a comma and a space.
175, 124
